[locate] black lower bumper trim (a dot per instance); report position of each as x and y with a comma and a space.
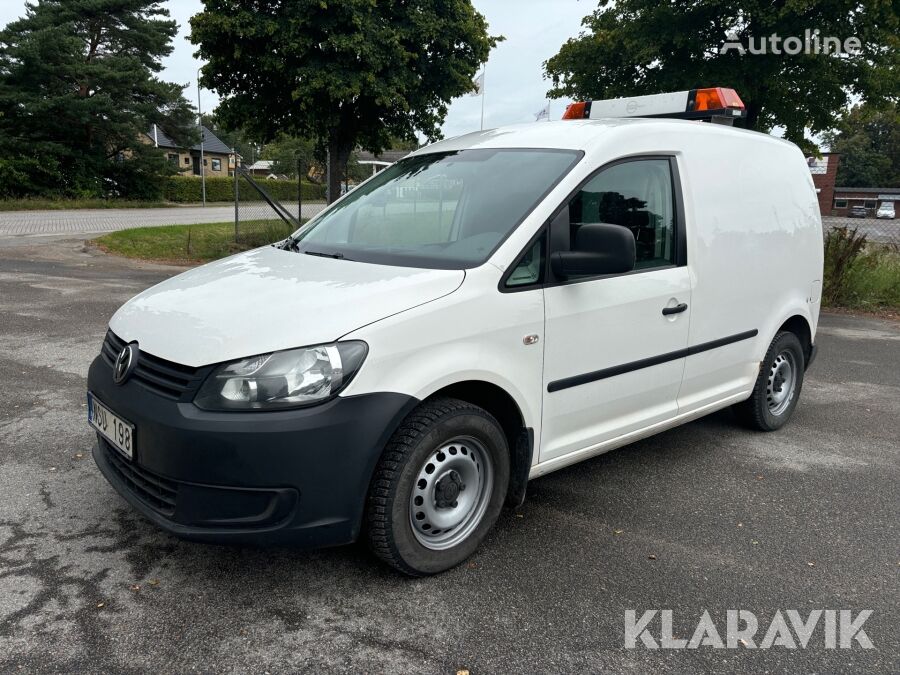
205, 512
290, 477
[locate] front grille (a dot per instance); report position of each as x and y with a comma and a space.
165, 378
157, 492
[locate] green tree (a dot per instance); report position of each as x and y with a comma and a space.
634, 47
78, 86
868, 139
349, 73
286, 150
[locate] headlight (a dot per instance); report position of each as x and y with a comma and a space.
289, 379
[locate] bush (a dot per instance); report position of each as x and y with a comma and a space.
22, 176
860, 275
843, 248
188, 189
874, 282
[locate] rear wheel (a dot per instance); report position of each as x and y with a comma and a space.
438, 487
777, 387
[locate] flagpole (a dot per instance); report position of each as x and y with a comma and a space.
483, 82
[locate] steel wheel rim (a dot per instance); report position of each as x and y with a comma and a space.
782, 382
450, 493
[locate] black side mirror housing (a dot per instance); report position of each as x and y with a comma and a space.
599, 248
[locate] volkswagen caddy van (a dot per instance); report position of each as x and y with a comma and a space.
489, 309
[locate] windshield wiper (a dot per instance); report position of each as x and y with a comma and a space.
336, 256
289, 244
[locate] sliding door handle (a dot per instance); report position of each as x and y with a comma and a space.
677, 309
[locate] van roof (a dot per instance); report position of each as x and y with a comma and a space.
579, 134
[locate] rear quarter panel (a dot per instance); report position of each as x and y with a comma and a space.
754, 252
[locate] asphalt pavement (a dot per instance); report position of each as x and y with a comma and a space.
708, 516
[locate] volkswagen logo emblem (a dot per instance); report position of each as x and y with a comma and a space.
125, 363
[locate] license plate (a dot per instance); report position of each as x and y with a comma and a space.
113, 428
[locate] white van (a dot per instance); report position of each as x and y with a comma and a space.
490, 309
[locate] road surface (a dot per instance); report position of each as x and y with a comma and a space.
79, 222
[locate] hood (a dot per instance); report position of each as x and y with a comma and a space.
269, 299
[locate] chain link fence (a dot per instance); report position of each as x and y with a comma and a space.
885, 231
261, 219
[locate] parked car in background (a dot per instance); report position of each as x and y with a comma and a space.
886, 210
858, 211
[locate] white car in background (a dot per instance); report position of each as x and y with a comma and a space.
886, 210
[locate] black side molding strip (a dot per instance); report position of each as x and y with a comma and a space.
585, 378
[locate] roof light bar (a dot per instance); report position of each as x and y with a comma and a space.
694, 104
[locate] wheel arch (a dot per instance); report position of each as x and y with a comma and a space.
519, 437
799, 326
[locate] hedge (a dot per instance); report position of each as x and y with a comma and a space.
188, 189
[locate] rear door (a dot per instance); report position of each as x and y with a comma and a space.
613, 361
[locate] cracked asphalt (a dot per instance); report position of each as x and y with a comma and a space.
705, 517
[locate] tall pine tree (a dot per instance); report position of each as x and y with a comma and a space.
78, 86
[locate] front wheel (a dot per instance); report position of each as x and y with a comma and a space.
438, 488
777, 387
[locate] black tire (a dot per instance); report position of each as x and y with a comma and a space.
389, 513
759, 411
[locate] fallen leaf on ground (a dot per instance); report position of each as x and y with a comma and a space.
135, 587
652, 556
100, 604
618, 531
153, 582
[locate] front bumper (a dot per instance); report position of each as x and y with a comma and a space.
290, 476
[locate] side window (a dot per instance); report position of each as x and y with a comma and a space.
636, 195
528, 269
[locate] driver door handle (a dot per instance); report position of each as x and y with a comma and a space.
677, 309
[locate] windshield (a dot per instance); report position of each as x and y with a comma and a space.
447, 210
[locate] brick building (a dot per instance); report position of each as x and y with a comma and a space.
870, 198
824, 172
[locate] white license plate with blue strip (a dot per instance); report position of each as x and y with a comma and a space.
119, 432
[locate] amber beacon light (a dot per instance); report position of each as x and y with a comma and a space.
713, 104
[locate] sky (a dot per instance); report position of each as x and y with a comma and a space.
514, 87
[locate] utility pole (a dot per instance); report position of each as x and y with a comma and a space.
299, 189
237, 189
483, 83
200, 126
328, 196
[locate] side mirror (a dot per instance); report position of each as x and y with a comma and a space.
599, 248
